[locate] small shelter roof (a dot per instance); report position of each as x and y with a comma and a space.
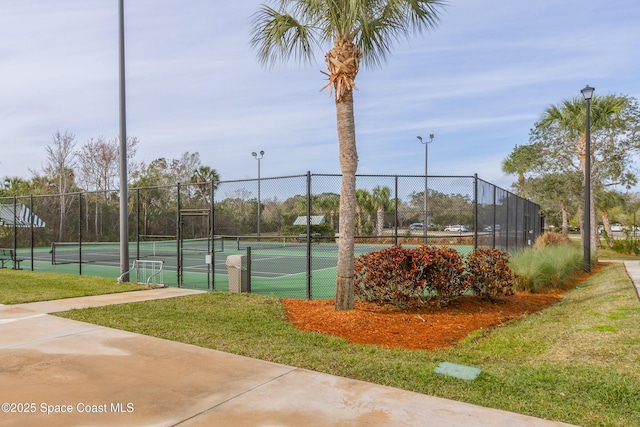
21, 216
315, 220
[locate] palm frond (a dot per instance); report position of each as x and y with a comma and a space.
384, 22
373, 25
279, 37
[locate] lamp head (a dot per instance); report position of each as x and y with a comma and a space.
262, 152
254, 154
587, 92
426, 142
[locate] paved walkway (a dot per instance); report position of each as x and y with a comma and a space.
633, 270
60, 372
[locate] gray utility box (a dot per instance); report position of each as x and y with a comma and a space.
237, 270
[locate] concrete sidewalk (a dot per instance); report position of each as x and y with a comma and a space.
60, 372
633, 270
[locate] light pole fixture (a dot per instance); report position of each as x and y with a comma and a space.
124, 191
425, 224
258, 157
587, 93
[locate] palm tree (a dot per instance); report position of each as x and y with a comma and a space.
205, 175
522, 159
329, 202
556, 191
570, 118
363, 204
381, 197
15, 186
360, 30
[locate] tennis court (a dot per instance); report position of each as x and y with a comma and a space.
278, 265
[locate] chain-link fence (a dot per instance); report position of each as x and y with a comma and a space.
286, 226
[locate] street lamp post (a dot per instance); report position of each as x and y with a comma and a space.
587, 93
124, 192
258, 157
425, 224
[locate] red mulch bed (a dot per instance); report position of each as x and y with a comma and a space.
421, 329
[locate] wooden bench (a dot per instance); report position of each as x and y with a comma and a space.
7, 255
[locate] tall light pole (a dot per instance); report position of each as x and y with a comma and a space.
124, 193
425, 224
587, 93
258, 157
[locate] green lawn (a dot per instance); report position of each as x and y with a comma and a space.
19, 286
575, 362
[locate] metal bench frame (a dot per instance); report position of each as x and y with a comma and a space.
7, 255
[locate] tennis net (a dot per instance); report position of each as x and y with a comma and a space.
296, 243
107, 252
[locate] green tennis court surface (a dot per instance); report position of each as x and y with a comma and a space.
277, 267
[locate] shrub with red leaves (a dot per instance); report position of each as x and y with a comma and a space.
488, 274
426, 274
441, 269
388, 276
403, 277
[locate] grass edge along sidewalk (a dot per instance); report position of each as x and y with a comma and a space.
575, 362
19, 286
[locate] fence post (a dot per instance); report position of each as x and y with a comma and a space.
309, 279
212, 269
178, 237
475, 211
80, 233
31, 218
495, 208
248, 270
137, 223
213, 227
508, 230
517, 235
395, 213
15, 223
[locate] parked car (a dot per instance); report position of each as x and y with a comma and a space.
456, 228
416, 226
616, 227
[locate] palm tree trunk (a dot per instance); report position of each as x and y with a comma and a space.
348, 166
521, 184
380, 222
582, 152
565, 221
607, 226
359, 216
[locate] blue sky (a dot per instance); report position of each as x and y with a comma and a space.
479, 82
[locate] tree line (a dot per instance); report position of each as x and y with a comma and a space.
551, 166
93, 168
